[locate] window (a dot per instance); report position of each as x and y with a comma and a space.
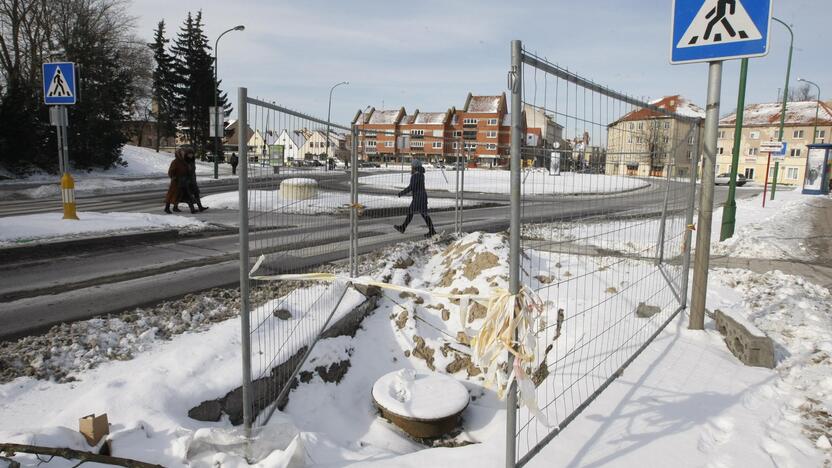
749, 173
417, 144
629, 138
470, 135
720, 150
638, 140
641, 125
795, 152
491, 146
791, 173
667, 139
631, 125
797, 134
437, 144
753, 151
388, 144
371, 143
469, 121
690, 140
455, 145
820, 134
405, 132
667, 125
755, 135
491, 134
722, 134
370, 133
492, 121
470, 146
417, 132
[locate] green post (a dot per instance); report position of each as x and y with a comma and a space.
788, 72
729, 213
774, 182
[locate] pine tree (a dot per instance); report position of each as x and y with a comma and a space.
164, 86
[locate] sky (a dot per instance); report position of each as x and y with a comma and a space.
429, 54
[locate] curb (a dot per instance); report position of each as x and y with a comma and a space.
49, 249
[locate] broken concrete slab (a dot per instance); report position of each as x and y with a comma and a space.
751, 346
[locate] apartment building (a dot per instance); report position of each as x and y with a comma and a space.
485, 127
379, 132
426, 135
645, 142
761, 122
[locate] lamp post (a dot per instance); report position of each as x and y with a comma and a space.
817, 109
328, 112
217, 124
788, 72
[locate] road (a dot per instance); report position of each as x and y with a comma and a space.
38, 291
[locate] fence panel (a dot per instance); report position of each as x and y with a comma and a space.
605, 210
295, 206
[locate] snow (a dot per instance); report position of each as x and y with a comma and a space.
324, 202
483, 105
15, 230
797, 113
430, 118
420, 396
535, 182
300, 181
383, 117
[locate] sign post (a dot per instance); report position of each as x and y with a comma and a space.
59, 91
777, 148
713, 31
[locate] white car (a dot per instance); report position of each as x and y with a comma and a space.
725, 179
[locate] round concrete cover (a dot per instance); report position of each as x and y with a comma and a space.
418, 396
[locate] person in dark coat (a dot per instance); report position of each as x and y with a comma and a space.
193, 187
178, 172
234, 161
419, 203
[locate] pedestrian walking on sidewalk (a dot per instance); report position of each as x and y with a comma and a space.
419, 202
193, 187
234, 161
177, 191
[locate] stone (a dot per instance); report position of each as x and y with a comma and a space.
283, 314
210, 410
751, 347
646, 311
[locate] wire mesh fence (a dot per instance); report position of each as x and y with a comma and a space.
606, 205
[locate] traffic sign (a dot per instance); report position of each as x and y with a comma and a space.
712, 30
59, 83
773, 147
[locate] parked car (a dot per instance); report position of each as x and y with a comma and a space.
725, 179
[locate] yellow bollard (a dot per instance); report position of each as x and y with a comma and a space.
68, 196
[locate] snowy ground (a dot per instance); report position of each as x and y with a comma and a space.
777, 231
50, 227
535, 182
145, 168
323, 202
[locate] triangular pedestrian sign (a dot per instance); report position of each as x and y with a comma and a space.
58, 86
720, 22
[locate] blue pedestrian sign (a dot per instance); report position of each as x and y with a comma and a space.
59, 83
712, 30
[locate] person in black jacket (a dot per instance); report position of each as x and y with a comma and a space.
419, 204
192, 188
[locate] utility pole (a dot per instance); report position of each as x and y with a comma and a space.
817, 109
328, 113
217, 122
706, 202
729, 214
788, 73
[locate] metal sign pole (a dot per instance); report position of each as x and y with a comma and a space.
706, 204
765, 182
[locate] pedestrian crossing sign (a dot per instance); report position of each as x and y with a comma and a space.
59, 83
713, 30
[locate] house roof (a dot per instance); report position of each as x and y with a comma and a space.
431, 118
676, 104
485, 104
797, 113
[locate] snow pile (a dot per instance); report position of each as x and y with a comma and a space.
797, 315
420, 396
16, 230
535, 182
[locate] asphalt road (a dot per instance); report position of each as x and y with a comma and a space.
39, 292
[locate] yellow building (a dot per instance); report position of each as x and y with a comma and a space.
646, 143
761, 123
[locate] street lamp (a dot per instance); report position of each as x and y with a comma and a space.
217, 123
788, 72
328, 111
817, 109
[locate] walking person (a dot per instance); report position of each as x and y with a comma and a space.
234, 161
419, 203
178, 173
193, 187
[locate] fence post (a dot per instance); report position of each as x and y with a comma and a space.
457, 199
706, 204
514, 233
354, 202
245, 327
694, 169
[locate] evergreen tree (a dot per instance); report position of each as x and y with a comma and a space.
164, 86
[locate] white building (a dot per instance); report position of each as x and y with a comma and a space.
291, 143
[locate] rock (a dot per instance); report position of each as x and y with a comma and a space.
282, 314
646, 311
403, 263
544, 279
335, 372
611, 290
424, 352
210, 410
401, 320
749, 345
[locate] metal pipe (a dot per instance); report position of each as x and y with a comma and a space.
216, 111
354, 202
245, 327
706, 204
729, 214
694, 164
328, 113
788, 72
514, 233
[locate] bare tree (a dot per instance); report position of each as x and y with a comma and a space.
654, 135
802, 93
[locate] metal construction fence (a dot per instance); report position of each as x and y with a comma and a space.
600, 227
611, 264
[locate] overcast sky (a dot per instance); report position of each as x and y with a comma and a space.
429, 54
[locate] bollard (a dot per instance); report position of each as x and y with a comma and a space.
68, 196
